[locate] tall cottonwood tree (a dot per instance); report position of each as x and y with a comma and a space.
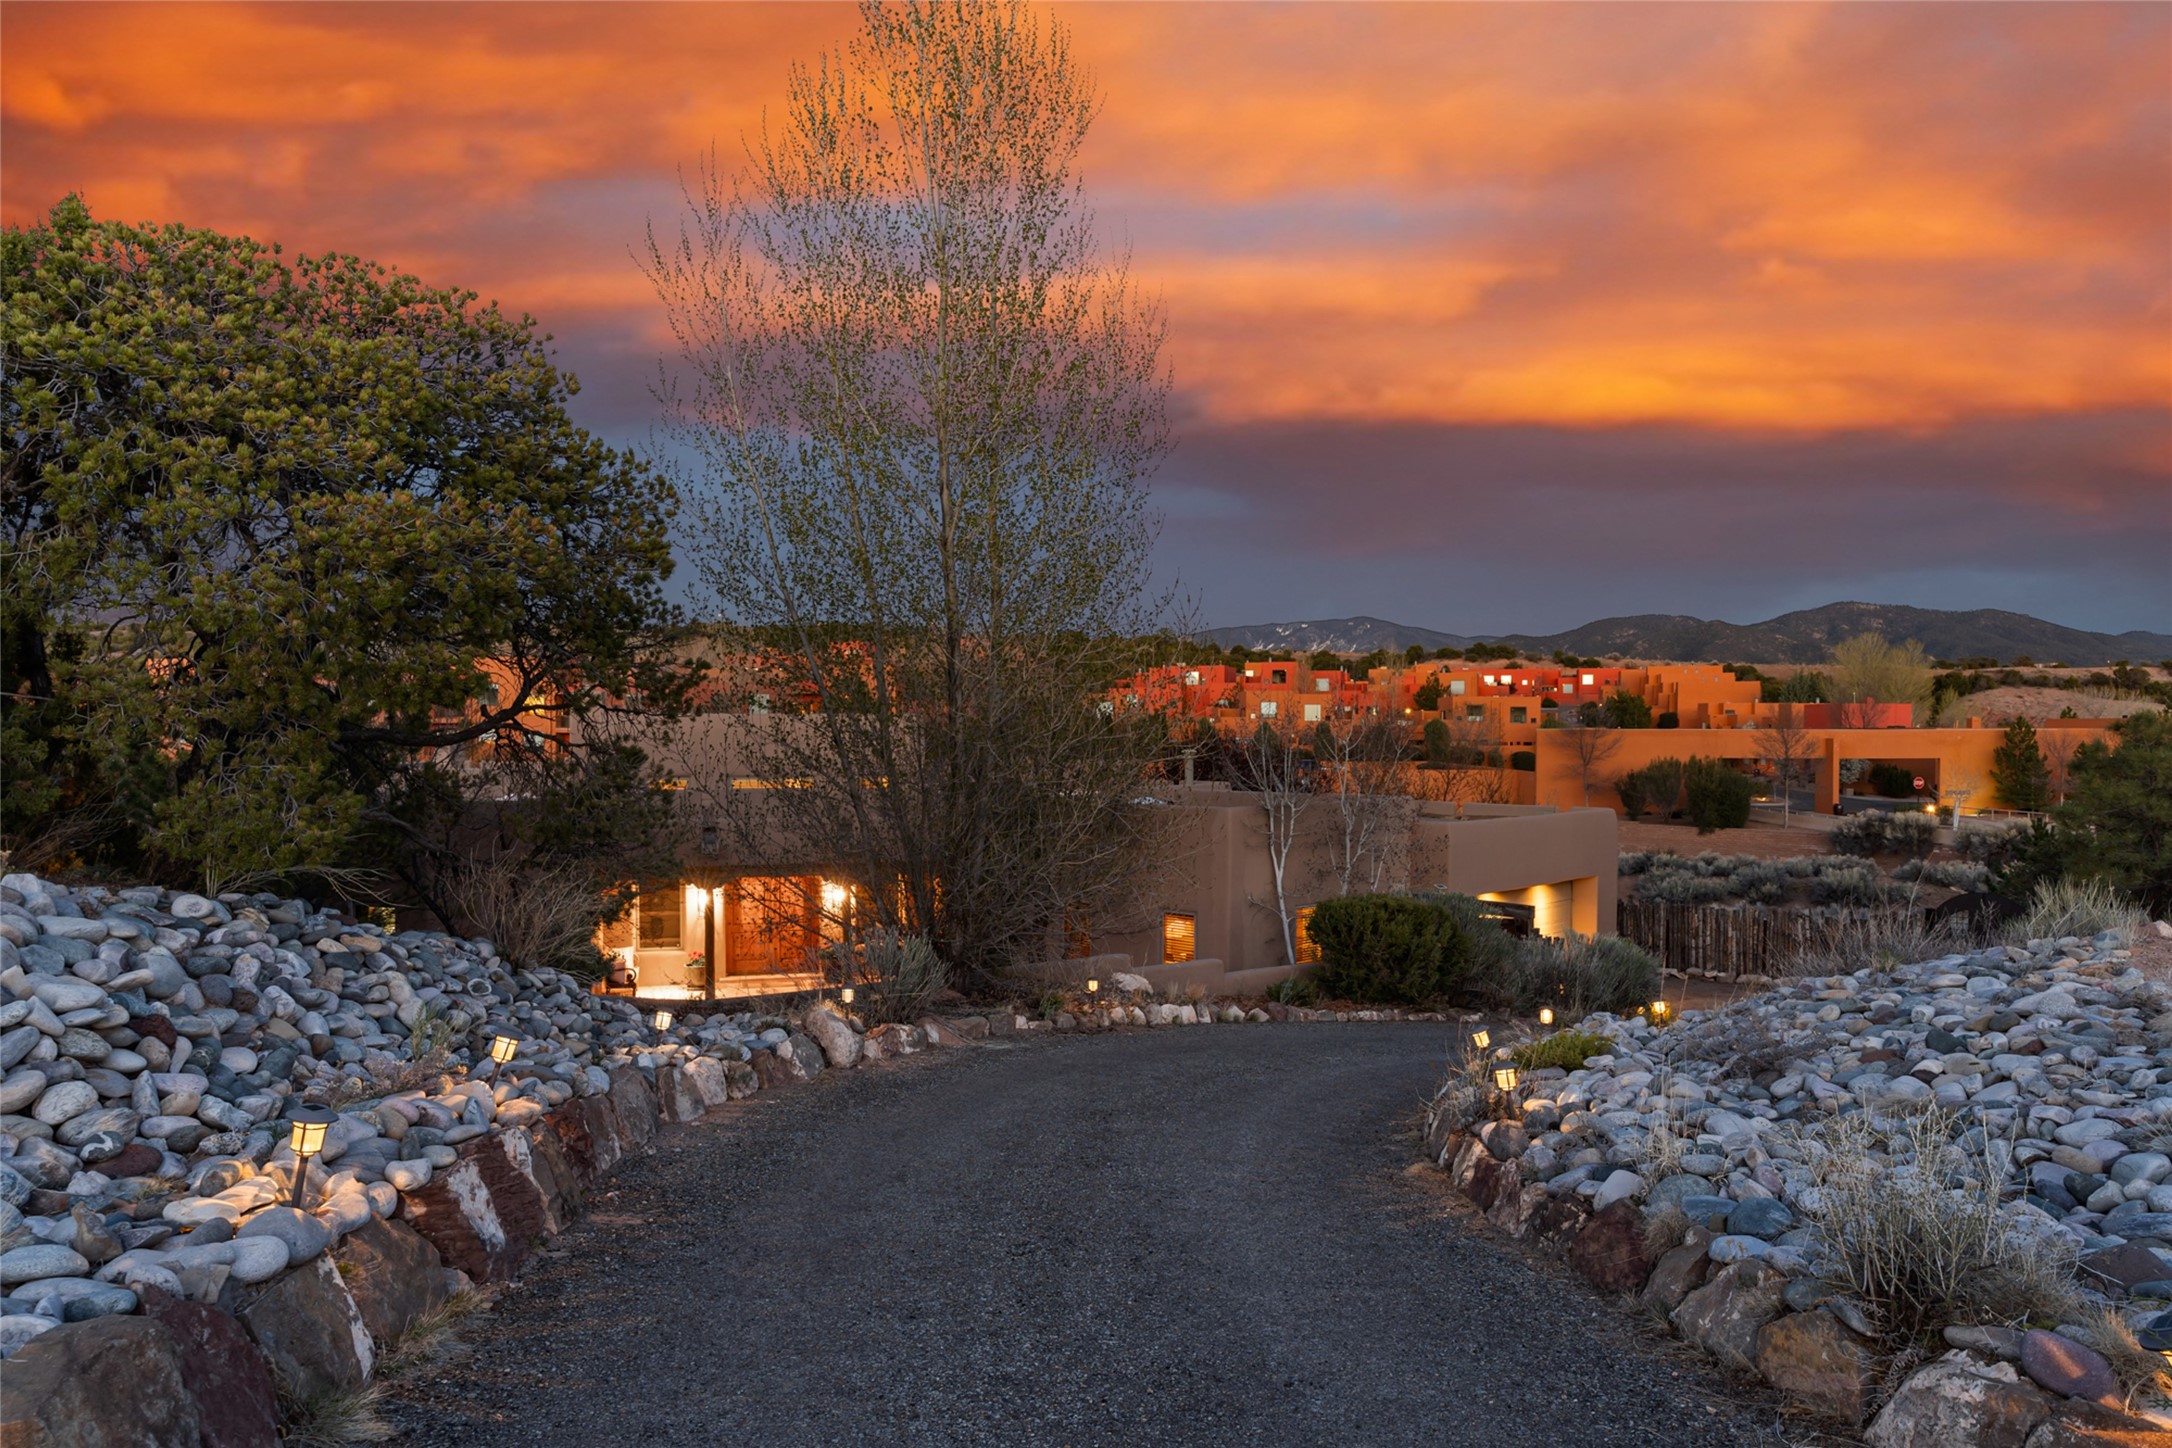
918, 404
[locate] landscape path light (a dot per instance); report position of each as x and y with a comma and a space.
1504, 1079
1546, 1015
662, 1021
501, 1051
310, 1123
844, 994
1660, 1011
1481, 1038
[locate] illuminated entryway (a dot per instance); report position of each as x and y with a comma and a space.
693, 941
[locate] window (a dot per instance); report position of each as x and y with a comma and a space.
1281, 676
1191, 677
1267, 708
1474, 711
659, 925
1489, 678
1519, 716
1588, 678
1308, 953
1179, 939
1455, 686
1321, 686
1312, 713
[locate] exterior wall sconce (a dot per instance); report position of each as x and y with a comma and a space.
310, 1123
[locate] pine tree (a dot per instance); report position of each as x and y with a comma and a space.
2018, 771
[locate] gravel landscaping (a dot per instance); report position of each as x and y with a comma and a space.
1190, 1237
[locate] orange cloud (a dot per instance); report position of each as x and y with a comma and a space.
1781, 216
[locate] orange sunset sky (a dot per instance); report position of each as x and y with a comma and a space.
1483, 317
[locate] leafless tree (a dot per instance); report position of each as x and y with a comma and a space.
1279, 772
1362, 771
1591, 745
1463, 755
1790, 746
2058, 746
919, 407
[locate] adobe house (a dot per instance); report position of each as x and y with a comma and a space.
1208, 912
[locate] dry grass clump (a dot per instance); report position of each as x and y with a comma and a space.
2145, 1376
2082, 907
1880, 940
428, 1336
1665, 1228
1740, 1040
1467, 1096
535, 915
335, 1418
1915, 1227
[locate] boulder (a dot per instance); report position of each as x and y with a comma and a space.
677, 1098
839, 1042
456, 1215
706, 1074
1725, 1315
310, 1330
556, 1177
2078, 1424
394, 1276
1959, 1400
774, 1070
106, 1383
1679, 1272
236, 1402
1814, 1359
635, 1103
1610, 1251
940, 1032
2067, 1368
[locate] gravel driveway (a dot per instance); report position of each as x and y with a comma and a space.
1183, 1237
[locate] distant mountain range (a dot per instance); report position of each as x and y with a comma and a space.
1803, 637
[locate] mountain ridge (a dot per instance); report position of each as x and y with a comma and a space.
1801, 637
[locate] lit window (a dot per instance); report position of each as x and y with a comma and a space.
1455, 686
658, 926
1191, 676
1489, 678
1308, 952
1179, 939
1267, 708
1588, 679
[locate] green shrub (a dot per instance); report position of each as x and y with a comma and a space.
1296, 990
1891, 780
1667, 719
1657, 786
1391, 949
1566, 1049
1522, 759
1633, 862
1624, 710
1715, 795
1857, 885
1581, 974
1682, 888
1886, 832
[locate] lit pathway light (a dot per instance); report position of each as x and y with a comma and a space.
310, 1123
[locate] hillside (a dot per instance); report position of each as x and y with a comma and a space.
1805, 636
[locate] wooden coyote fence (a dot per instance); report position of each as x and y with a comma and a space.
1729, 940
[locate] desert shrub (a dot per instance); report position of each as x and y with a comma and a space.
1633, 862
1566, 1049
1915, 1227
1761, 882
1886, 832
1295, 990
1987, 844
1466, 1097
1393, 949
1859, 886
1716, 796
1953, 874
1657, 787
1523, 759
1801, 867
1489, 951
1582, 974
2083, 907
1667, 719
536, 915
2145, 1376
1686, 889
897, 976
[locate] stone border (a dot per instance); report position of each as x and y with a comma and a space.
1815, 1348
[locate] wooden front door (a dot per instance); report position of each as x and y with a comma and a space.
771, 920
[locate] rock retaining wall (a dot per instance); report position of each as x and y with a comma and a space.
1674, 1171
